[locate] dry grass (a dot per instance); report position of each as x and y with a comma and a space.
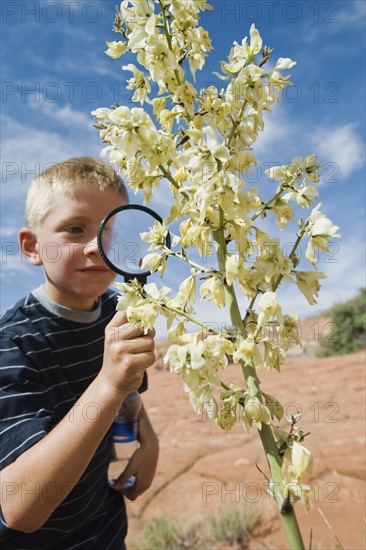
232, 528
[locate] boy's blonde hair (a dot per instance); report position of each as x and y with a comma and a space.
64, 176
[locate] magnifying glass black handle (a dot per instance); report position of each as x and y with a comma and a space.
142, 279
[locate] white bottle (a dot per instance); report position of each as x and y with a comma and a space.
125, 427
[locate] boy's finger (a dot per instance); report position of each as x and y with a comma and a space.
120, 318
122, 329
123, 477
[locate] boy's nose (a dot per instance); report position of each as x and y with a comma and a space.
91, 248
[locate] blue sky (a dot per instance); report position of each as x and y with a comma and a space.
54, 73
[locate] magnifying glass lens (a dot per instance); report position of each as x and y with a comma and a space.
121, 239
120, 242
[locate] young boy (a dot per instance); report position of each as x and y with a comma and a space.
68, 362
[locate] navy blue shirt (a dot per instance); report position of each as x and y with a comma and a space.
49, 356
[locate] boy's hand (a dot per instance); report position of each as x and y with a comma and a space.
127, 354
142, 465
143, 462
137, 466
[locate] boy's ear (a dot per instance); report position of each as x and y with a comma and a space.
29, 246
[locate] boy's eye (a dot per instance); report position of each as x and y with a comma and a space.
75, 229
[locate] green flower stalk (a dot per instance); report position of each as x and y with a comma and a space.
198, 145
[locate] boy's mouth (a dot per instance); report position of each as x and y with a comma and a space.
95, 269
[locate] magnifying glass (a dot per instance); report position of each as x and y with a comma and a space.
119, 241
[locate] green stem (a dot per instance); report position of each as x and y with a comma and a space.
170, 46
168, 176
199, 267
186, 315
267, 204
165, 27
294, 248
236, 123
289, 520
250, 308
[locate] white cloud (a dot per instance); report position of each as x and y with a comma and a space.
344, 266
27, 151
278, 133
332, 19
354, 12
65, 116
12, 264
28, 154
9, 231
341, 145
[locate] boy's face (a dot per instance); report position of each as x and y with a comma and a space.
67, 246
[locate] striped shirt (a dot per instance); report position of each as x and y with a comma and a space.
49, 356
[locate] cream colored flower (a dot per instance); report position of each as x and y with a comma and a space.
274, 356
133, 129
138, 82
159, 58
308, 284
247, 351
196, 234
269, 307
102, 114
205, 151
302, 460
232, 266
158, 293
255, 41
187, 290
290, 333
143, 315
156, 235
273, 405
203, 401
226, 418
320, 230
154, 262
214, 287
255, 411
116, 48
284, 63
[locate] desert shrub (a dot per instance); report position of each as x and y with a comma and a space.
162, 533
235, 525
349, 327
231, 526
